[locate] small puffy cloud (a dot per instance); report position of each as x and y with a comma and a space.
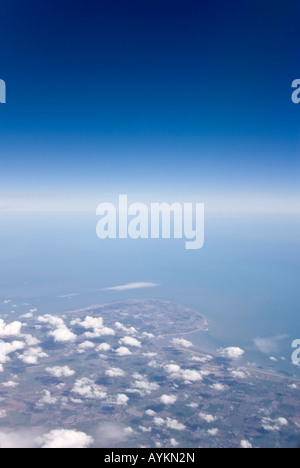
187, 375
129, 331
123, 351
62, 335
115, 372
32, 355
202, 359
182, 342
244, 444
60, 332
129, 341
59, 372
145, 430
131, 286
148, 335
282, 421
86, 388
272, 358
96, 325
213, 432
238, 374
63, 439
174, 443
274, 425
10, 330
8, 348
192, 405
142, 386
103, 347
169, 423
129, 431
2, 414
83, 347
168, 399
30, 340
27, 316
150, 413
47, 399
232, 352
218, 387
10, 384
209, 418
121, 399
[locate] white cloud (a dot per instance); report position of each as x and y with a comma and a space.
8, 348
95, 324
272, 358
187, 375
30, 340
12, 329
130, 286
203, 359
238, 374
282, 421
47, 399
62, 439
103, 347
60, 372
60, 333
218, 387
169, 423
18, 439
32, 355
129, 341
123, 351
86, 388
174, 443
129, 431
192, 405
129, 330
2, 414
115, 372
209, 418
10, 384
168, 399
145, 430
232, 352
85, 346
121, 399
148, 335
150, 413
213, 432
143, 386
27, 316
274, 425
244, 444
182, 342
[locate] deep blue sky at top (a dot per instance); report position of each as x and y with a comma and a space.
194, 93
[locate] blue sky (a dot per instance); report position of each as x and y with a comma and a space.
153, 98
